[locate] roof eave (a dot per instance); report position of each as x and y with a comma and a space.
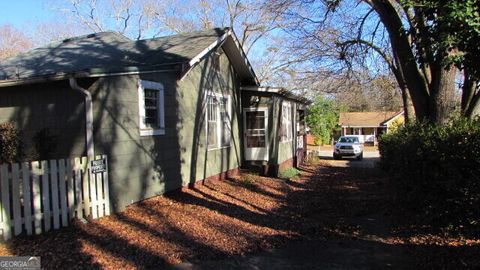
228, 44
280, 91
91, 73
387, 122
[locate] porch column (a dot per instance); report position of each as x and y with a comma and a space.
374, 136
344, 131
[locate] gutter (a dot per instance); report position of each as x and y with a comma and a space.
92, 73
88, 116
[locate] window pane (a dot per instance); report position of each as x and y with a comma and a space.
151, 93
225, 134
256, 141
255, 120
212, 134
151, 108
286, 129
211, 109
150, 103
218, 121
225, 130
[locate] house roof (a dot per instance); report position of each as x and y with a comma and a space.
110, 52
366, 119
280, 91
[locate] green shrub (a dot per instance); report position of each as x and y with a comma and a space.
322, 119
10, 143
289, 173
436, 170
318, 140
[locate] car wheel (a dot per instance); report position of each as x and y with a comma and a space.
336, 157
360, 157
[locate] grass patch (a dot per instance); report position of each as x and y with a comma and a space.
248, 179
289, 173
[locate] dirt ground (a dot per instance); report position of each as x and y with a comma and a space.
330, 217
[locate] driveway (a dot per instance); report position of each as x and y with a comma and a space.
350, 227
370, 159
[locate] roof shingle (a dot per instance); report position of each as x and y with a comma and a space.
106, 52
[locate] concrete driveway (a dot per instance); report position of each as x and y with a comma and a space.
370, 159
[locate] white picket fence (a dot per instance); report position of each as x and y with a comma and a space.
40, 195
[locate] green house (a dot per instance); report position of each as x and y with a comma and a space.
168, 112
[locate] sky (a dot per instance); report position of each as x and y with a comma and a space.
25, 14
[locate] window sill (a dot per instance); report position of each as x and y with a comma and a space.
152, 132
219, 148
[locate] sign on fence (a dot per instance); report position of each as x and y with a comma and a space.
36, 196
98, 166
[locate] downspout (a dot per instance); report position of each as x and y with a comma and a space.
88, 116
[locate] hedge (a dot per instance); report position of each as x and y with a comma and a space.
435, 170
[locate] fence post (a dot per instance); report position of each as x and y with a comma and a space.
55, 205
78, 188
106, 194
46, 196
17, 212
63, 192
70, 189
99, 193
37, 197
5, 207
95, 199
85, 187
27, 201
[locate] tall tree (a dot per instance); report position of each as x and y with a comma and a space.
253, 24
422, 42
12, 41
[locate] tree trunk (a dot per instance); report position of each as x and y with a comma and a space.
406, 101
416, 83
442, 95
407, 106
470, 96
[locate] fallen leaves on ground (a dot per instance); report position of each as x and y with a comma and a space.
234, 217
215, 220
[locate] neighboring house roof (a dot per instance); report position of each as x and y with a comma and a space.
108, 53
367, 119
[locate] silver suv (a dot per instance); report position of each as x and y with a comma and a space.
348, 146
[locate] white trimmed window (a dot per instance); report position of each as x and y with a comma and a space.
286, 129
151, 108
218, 113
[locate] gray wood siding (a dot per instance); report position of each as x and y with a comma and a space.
53, 106
140, 166
145, 166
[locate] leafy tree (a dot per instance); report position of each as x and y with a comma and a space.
322, 118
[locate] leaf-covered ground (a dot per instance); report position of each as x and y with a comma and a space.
225, 220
